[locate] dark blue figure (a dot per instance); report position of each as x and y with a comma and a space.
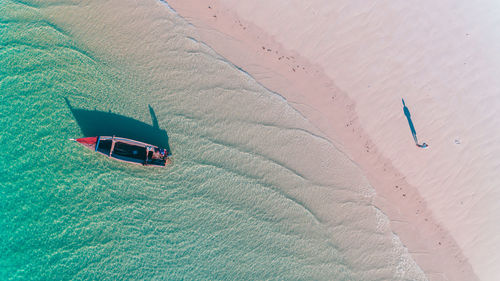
412, 127
408, 116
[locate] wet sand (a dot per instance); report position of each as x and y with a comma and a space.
346, 68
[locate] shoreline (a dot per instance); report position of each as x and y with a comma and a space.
289, 74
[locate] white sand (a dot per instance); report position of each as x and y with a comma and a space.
346, 65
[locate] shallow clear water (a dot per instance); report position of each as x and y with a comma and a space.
254, 191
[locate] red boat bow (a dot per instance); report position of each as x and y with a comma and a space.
89, 140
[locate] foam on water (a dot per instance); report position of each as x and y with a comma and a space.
255, 192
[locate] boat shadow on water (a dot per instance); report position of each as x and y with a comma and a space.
102, 123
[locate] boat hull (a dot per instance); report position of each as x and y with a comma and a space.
127, 150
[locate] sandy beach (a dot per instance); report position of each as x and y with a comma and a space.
347, 66
311, 140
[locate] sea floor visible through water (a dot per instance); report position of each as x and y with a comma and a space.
254, 191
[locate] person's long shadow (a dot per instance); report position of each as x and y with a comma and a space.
101, 123
412, 127
408, 116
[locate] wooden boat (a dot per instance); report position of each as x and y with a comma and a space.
127, 150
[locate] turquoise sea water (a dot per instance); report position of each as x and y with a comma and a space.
254, 192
